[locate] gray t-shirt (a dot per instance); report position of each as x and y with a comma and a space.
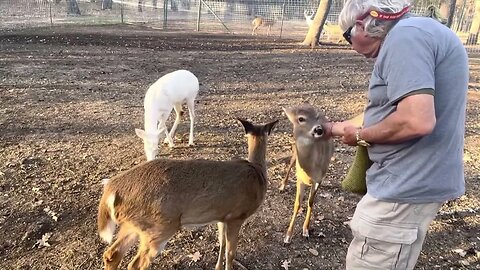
419, 55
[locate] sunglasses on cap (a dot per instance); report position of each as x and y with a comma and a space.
347, 35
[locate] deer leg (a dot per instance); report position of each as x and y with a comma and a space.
150, 246
191, 112
298, 199
311, 199
221, 241
114, 254
232, 230
168, 139
292, 161
170, 136
255, 29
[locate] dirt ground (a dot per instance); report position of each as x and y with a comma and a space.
71, 98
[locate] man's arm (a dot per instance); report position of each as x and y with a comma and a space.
414, 117
336, 129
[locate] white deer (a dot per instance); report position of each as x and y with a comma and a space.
309, 18
154, 200
169, 92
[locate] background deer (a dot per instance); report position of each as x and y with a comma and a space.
312, 154
171, 91
152, 201
309, 18
264, 22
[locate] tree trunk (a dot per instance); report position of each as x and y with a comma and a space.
73, 8
451, 12
473, 33
107, 4
313, 35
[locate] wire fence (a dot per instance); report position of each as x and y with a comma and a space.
287, 17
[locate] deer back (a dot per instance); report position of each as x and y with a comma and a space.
191, 192
173, 88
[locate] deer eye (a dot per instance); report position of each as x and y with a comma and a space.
301, 119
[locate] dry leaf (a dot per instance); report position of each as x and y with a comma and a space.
44, 241
51, 213
285, 264
313, 251
195, 256
460, 252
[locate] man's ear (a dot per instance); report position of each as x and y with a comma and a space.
359, 24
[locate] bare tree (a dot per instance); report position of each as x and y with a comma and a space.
72, 7
313, 36
473, 33
451, 12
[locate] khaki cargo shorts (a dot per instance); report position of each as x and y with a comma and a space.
388, 235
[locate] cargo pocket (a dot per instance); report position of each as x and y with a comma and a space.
382, 246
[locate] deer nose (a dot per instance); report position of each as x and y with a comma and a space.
318, 131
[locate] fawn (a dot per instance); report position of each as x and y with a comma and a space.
311, 154
261, 21
153, 200
167, 93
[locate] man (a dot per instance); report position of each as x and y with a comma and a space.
413, 126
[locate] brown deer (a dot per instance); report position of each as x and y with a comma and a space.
153, 200
261, 21
311, 154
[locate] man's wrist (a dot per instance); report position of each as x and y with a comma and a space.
329, 129
360, 140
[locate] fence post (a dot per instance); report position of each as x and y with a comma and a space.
199, 14
50, 10
283, 17
216, 16
165, 12
121, 12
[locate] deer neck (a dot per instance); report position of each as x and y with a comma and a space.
309, 154
257, 149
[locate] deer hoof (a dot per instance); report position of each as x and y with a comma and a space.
287, 240
305, 233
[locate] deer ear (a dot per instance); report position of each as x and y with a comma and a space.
268, 127
247, 125
289, 114
140, 133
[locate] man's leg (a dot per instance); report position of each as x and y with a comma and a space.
388, 235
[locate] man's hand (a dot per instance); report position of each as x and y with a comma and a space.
349, 135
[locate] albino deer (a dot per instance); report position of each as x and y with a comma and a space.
309, 18
169, 92
152, 201
260, 21
312, 154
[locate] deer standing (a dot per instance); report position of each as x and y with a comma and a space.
309, 18
169, 92
260, 21
312, 154
152, 201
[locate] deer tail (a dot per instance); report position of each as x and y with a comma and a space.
106, 213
